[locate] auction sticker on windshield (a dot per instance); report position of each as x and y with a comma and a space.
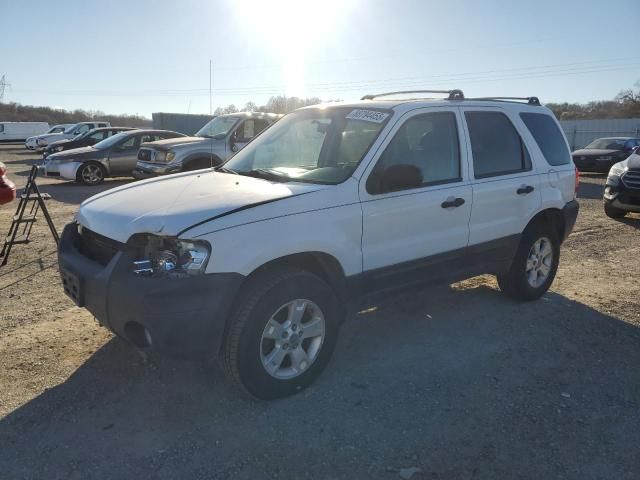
367, 116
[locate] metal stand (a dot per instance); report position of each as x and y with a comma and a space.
31, 196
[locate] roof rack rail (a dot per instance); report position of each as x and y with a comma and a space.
530, 100
452, 94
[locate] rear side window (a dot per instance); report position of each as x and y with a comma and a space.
496, 145
548, 137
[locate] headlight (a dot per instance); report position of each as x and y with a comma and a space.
59, 148
617, 169
170, 257
170, 156
159, 156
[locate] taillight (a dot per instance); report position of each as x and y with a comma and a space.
577, 180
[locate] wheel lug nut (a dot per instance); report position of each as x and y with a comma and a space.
285, 346
294, 327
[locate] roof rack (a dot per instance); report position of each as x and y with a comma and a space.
530, 100
452, 94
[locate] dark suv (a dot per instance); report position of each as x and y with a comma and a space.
602, 153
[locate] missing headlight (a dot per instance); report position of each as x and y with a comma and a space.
170, 257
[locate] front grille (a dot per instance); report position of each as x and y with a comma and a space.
144, 154
97, 247
631, 179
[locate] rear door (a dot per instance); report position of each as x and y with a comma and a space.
406, 224
506, 185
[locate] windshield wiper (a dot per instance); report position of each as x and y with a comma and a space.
266, 174
224, 169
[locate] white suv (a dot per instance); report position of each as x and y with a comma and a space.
256, 261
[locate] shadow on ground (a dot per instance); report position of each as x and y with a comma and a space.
460, 383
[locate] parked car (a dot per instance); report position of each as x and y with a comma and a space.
601, 154
7, 187
90, 137
255, 262
622, 191
19, 131
112, 157
30, 142
214, 143
73, 131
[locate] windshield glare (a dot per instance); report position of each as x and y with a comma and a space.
313, 145
111, 141
218, 127
606, 144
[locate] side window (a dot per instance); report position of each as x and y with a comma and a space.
548, 137
98, 136
424, 151
130, 143
496, 145
149, 138
246, 131
1, 128
84, 128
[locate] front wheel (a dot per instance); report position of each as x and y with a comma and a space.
613, 212
535, 264
282, 333
90, 174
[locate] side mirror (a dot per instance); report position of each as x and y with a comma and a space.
395, 178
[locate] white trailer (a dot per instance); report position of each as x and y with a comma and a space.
20, 131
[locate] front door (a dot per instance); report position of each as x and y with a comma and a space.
123, 157
416, 196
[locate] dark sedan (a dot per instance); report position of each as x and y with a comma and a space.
85, 139
602, 153
115, 156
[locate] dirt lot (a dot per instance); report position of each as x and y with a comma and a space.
456, 382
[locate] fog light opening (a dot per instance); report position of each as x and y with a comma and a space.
137, 334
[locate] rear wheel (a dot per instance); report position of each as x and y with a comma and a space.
282, 334
613, 212
534, 265
90, 173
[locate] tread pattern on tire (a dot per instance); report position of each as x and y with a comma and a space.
247, 301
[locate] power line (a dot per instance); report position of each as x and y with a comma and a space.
3, 84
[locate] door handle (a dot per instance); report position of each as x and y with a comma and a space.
525, 189
452, 202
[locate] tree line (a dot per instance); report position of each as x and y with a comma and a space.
625, 105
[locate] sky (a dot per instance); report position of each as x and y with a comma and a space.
144, 56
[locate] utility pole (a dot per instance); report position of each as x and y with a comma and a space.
3, 84
210, 86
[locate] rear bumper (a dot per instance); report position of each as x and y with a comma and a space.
179, 317
570, 215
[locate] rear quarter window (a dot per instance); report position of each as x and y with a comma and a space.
548, 136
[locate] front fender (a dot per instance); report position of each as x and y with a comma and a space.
69, 170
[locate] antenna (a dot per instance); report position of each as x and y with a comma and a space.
3, 84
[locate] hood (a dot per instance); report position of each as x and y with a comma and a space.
174, 143
595, 152
171, 204
633, 162
59, 142
75, 153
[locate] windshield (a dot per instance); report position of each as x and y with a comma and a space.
218, 127
111, 141
607, 144
312, 145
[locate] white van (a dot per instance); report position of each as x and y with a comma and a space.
20, 131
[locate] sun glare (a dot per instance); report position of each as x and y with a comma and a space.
292, 29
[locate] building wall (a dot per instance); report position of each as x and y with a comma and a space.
180, 122
582, 132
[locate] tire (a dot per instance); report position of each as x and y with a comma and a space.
520, 283
613, 212
90, 173
246, 351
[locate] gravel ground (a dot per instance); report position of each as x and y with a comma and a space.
455, 382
